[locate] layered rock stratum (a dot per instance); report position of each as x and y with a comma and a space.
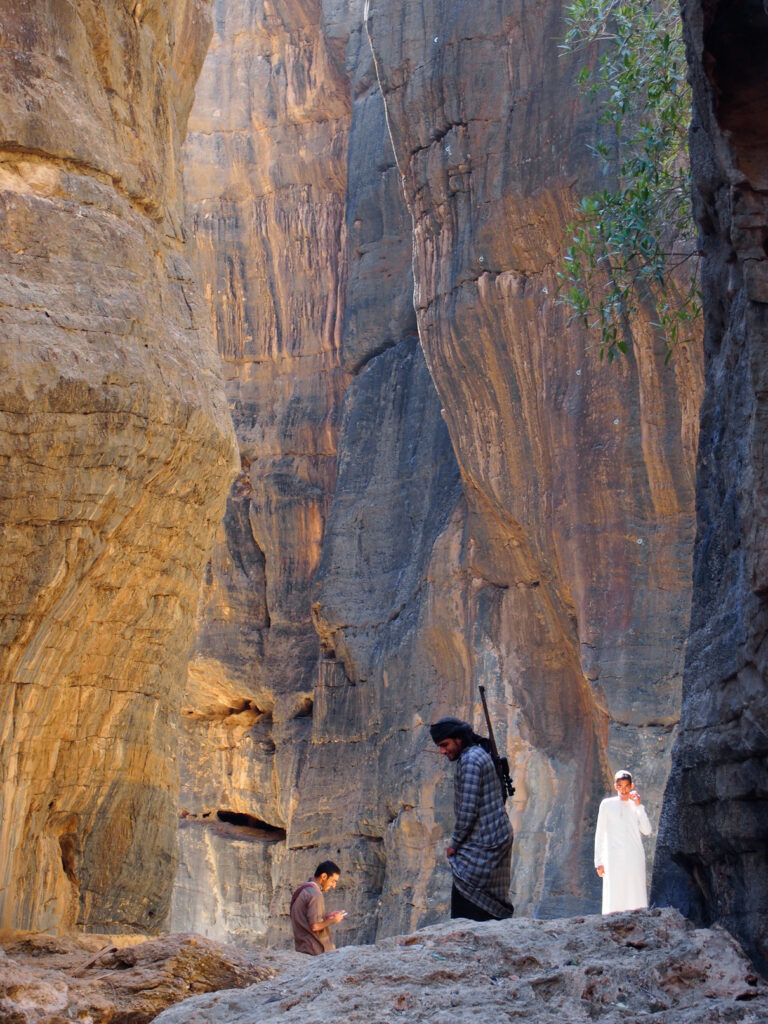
442, 484
713, 858
116, 453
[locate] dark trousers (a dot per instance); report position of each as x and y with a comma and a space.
462, 907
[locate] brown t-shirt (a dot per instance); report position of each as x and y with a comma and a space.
308, 908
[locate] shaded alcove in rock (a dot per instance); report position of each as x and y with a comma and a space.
252, 825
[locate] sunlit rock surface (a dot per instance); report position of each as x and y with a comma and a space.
713, 860
116, 452
269, 230
507, 510
647, 965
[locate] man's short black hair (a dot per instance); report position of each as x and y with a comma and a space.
327, 868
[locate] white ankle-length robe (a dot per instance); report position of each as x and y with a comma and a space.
619, 848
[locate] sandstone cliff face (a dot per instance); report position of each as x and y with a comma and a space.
714, 844
577, 475
270, 256
507, 510
116, 452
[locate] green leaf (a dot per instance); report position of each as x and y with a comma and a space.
629, 241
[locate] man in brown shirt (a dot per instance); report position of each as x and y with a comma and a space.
311, 924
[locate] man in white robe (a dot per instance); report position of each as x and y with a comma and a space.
619, 853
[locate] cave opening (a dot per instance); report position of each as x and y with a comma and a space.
306, 708
68, 857
252, 823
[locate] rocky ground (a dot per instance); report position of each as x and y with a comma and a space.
645, 966
642, 966
98, 979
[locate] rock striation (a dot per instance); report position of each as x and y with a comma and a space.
645, 965
441, 485
116, 453
577, 475
713, 858
270, 259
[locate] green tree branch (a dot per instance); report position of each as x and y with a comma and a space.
632, 245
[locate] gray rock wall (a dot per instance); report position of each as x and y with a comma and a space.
713, 857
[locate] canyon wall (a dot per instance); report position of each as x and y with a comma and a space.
116, 455
577, 474
441, 483
713, 854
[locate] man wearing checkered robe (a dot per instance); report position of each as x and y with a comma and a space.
480, 849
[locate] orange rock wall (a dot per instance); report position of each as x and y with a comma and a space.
578, 475
442, 485
116, 452
269, 256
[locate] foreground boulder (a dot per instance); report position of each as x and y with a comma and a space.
623, 967
46, 978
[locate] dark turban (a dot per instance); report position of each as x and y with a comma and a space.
452, 728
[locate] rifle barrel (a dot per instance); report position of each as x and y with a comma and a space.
501, 763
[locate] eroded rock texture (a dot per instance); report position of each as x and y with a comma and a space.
432, 495
45, 979
116, 452
647, 965
714, 846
